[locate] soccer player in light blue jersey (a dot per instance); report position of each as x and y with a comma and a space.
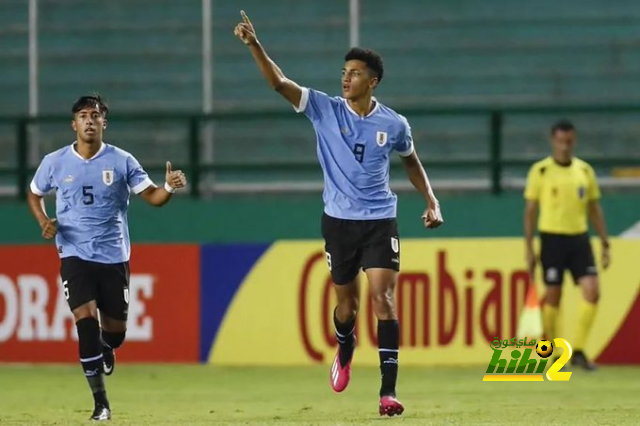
356, 135
92, 181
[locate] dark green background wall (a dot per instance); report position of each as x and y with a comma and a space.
264, 218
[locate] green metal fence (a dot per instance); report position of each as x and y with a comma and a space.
494, 163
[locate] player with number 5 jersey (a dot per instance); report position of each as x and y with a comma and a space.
356, 136
92, 181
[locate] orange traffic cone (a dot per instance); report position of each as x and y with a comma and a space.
530, 322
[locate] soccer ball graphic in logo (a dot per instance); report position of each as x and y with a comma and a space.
544, 348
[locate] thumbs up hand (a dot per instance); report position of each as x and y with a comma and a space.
175, 179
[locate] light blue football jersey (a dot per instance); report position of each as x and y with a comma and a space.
92, 199
354, 154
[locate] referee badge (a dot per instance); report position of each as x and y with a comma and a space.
581, 192
107, 177
381, 138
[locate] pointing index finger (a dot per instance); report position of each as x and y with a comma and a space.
245, 18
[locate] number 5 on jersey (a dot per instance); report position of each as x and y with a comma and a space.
88, 195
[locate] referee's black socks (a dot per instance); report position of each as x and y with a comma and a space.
345, 335
91, 357
388, 343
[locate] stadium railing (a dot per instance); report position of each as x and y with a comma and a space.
493, 164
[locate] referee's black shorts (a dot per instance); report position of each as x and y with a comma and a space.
354, 244
107, 284
561, 252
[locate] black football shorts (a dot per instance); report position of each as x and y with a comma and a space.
354, 244
559, 253
107, 284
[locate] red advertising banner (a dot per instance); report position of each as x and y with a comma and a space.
36, 324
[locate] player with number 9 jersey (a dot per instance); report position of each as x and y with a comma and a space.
354, 153
356, 135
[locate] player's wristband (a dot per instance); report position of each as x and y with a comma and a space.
168, 188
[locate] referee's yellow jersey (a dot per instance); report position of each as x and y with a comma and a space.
563, 194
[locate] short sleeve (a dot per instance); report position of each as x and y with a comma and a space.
137, 179
404, 143
593, 190
314, 104
532, 189
42, 182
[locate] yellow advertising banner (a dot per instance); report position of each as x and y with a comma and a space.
454, 297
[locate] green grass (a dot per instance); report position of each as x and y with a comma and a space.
194, 395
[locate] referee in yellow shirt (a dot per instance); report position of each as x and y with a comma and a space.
567, 192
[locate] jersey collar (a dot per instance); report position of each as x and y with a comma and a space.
73, 149
563, 165
373, 111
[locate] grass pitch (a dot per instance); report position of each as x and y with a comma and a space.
198, 395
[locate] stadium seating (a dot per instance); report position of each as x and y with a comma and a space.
145, 55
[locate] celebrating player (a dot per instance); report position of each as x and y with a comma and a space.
567, 191
356, 135
93, 181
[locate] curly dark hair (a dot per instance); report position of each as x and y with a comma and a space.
369, 57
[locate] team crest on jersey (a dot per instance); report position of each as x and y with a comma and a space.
107, 177
328, 259
381, 138
395, 245
581, 192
